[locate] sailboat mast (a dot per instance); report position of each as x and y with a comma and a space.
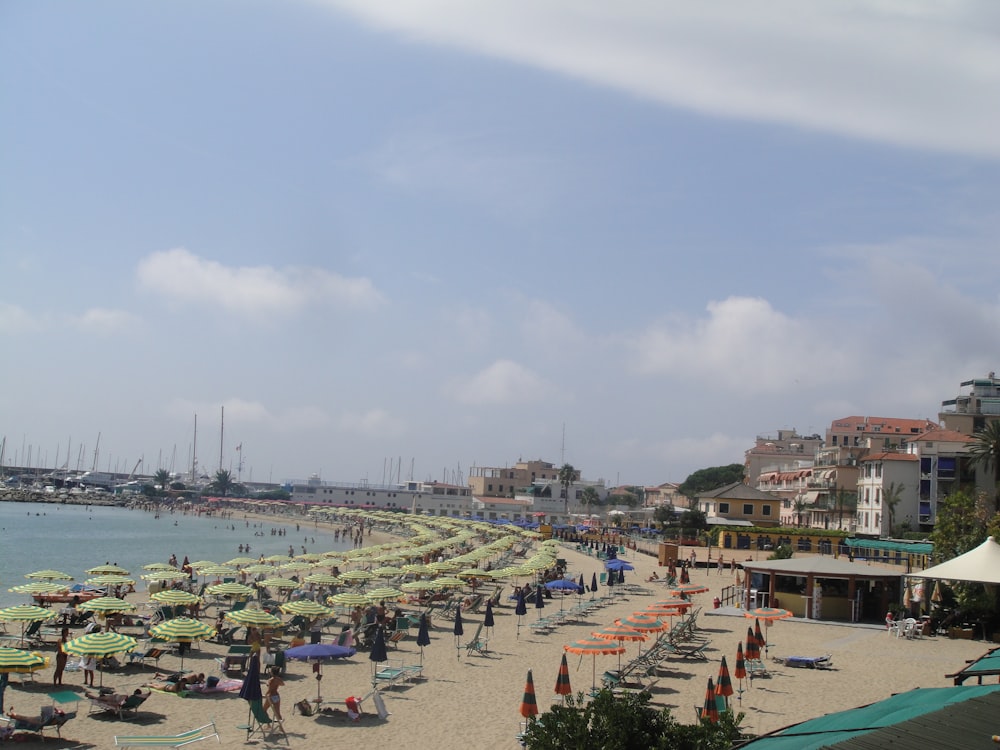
194, 452
222, 435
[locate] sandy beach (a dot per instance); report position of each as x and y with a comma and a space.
472, 700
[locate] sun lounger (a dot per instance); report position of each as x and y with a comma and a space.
119, 705
178, 740
50, 718
807, 662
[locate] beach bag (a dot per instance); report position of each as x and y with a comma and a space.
305, 707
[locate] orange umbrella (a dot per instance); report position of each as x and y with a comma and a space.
529, 707
642, 622
759, 637
687, 589
711, 710
563, 687
724, 684
753, 648
594, 647
740, 673
619, 633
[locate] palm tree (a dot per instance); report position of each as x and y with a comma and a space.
589, 498
891, 496
985, 451
162, 478
223, 482
800, 507
567, 475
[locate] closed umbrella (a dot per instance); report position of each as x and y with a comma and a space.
488, 620
251, 692
378, 654
458, 630
563, 687
539, 601
593, 585
529, 706
759, 637
423, 636
740, 672
520, 609
753, 648
724, 684
710, 712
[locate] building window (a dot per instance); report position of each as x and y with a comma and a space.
723, 507
747, 509
765, 510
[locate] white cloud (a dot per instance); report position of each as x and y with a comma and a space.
257, 291
922, 75
503, 382
374, 423
743, 344
104, 321
550, 328
15, 320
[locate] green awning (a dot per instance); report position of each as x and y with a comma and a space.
914, 548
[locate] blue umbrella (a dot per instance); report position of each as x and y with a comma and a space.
423, 637
617, 564
561, 584
250, 691
317, 652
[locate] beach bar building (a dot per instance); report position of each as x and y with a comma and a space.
822, 588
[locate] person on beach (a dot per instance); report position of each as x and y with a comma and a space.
272, 699
61, 658
89, 665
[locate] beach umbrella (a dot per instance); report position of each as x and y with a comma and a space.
182, 630
250, 691
688, 589
107, 569
40, 587
448, 582
107, 605
619, 633
740, 672
175, 597
277, 583
423, 636
347, 599
230, 590
562, 585
594, 647
642, 623
710, 712
618, 565
520, 609
529, 706
539, 601
158, 566
458, 630
356, 576
753, 647
317, 653
50, 575
593, 585
253, 617
16, 660
305, 608
165, 575
322, 579
241, 561
938, 596
25, 613
100, 645
563, 687
259, 568
219, 571
109, 579
387, 572
488, 619
383, 593
724, 684
759, 637
378, 654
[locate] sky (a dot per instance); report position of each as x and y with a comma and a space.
402, 240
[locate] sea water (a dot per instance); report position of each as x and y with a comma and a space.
73, 538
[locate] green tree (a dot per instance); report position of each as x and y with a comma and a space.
985, 452
891, 496
613, 722
962, 523
710, 478
162, 478
567, 476
589, 498
222, 483
800, 508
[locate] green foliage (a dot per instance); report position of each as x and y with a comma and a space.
623, 722
710, 478
567, 475
222, 483
961, 525
590, 498
694, 520
781, 552
985, 451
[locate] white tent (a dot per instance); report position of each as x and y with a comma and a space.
979, 565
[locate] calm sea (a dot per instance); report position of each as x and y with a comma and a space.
72, 538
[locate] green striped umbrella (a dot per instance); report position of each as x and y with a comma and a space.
182, 630
25, 613
166, 575
387, 571
107, 569
278, 583
383, 593
230, 589
175, 597
356, 576
216, 570
259, 568
448, 582
347, 599
322, 579
39, 587
445, 566
475, 573
418, 586
241, 561
158, 566
109, 579
50, 575
278, 559
106, 605
18, 660
253, 617
100, 645
306, 608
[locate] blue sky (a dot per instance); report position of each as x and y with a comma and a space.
452, 233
